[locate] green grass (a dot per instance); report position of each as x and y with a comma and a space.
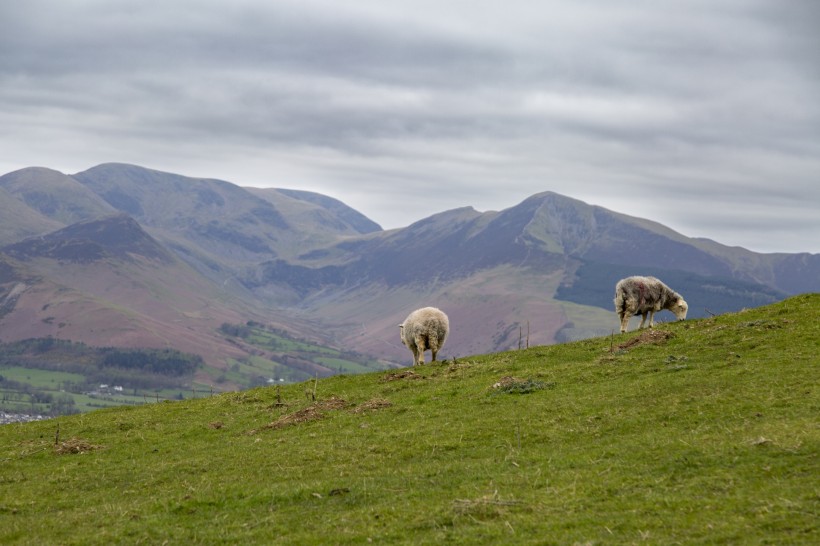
708, 437
280, 348
49, 379
90, 403
345, 366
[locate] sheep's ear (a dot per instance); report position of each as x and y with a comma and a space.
401, 326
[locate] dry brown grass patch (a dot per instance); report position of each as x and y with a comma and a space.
75, 446
506, 382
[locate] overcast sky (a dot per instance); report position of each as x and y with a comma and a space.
703, 115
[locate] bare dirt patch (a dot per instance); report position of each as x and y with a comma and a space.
313, 412
647, 337
405, 374
373, 404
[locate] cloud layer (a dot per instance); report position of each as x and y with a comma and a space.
701, 115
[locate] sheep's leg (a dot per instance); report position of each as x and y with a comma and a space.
415, 355
624, 321
643, 319
420, 347
651, 317
432, 344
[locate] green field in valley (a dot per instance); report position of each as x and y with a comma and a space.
34, 380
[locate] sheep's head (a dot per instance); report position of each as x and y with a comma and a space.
680, 308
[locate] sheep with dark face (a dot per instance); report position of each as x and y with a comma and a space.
646, 296
424, 329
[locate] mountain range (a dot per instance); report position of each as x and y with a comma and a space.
121, 255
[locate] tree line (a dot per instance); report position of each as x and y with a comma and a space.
143, 368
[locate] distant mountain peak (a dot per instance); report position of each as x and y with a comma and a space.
352, 217
55, 195
448, 218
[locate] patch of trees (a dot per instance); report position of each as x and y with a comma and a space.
158, 361
63, 404
236, 330
138, 368
18, 396
40, 346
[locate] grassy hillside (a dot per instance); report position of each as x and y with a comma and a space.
697, 432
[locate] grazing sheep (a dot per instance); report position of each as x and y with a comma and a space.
646, 296
424, 329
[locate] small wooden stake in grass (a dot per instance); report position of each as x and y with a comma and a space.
57, 435
528, 334
312, 395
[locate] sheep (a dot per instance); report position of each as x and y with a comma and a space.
646, 296
424, 329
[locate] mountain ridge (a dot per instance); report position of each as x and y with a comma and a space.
311, 265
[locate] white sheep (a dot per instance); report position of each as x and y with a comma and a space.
424, 329
646, 296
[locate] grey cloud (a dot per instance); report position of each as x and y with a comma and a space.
676, 105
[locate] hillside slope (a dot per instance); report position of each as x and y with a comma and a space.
107, 282
699, 432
